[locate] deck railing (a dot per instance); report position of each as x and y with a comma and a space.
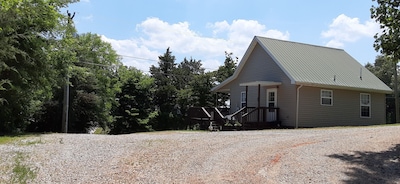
255, 114
205, 115
246, 117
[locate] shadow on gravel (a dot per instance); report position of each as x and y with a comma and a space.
372, 167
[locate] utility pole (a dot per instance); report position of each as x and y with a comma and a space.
396, 93
64, 123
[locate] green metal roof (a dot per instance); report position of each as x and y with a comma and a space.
313, 65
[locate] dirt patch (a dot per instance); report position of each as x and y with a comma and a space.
276, 159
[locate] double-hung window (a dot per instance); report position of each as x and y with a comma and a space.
243, 99
365, 105
326, 97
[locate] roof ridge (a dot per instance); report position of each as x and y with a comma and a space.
300, 43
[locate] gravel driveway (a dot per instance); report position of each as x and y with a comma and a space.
323, 155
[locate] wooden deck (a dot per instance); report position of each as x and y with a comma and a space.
210, 118
247, 118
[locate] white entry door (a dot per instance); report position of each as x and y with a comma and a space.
272, 97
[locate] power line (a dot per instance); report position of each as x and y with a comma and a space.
140, 58
97, 64
134, 57
162, 73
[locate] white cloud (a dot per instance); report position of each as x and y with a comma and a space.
179, 37
132, 54
157, 35
219, 27
240, 33
345, 29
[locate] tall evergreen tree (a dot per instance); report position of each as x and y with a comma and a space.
201, 87
186, 74
134, 108
166, 92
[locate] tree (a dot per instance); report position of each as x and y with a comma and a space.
26, 71
387, 13
98, 58
134, 108
85, 109
222, 74
166, 92
186, 74
201, 86
383, 69
91, 65
186, 71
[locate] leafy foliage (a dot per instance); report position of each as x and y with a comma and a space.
93, 86
387, 13
41, 52
189, 75
223, 73
132, 113
26, 27
383, 69
165, 92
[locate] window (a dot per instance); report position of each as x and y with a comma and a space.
365, 105
326, 97
271, 100
243, 99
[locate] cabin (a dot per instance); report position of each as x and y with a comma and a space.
291, 84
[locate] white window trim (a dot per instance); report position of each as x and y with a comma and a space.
369, 105
326, 97
242, 100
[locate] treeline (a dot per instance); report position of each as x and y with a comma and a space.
41, 53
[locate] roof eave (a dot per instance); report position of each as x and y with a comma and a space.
385, 91
243, 62
239, 68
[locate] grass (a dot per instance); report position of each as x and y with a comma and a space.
31, 142
21, 172
20, 139
98, 131
8, 139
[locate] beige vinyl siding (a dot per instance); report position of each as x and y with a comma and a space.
314, 68
261, 67
344, 111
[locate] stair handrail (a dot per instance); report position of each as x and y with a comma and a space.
206, 112
235, 113
219, 113
247, 113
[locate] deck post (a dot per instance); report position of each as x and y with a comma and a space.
247, 92
258, 105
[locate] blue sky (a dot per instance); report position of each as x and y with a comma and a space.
205, 29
